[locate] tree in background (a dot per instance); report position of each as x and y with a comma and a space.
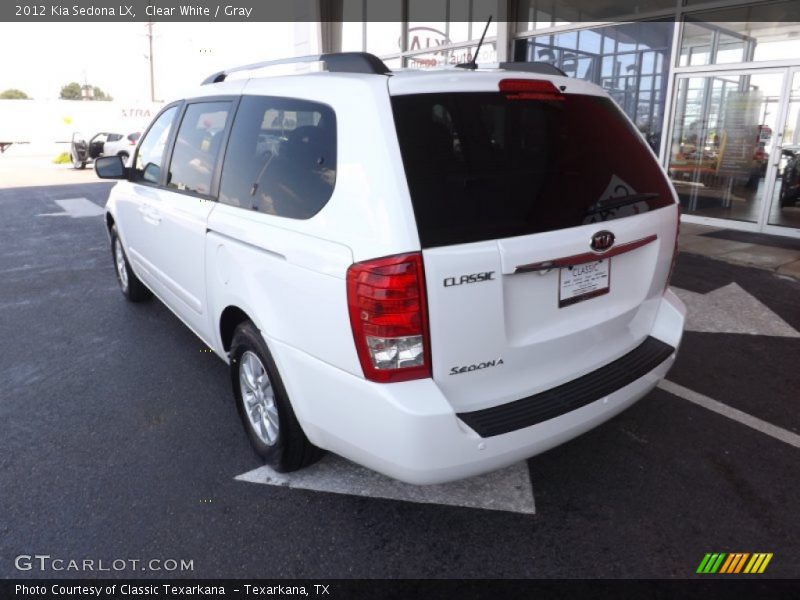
13, 94
99, 94
76, 91
71, 91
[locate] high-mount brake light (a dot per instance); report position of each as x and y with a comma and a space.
389, 317
529, 89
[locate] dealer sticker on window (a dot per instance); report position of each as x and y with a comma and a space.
581, 282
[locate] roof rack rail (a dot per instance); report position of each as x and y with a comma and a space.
533, 67
336, 62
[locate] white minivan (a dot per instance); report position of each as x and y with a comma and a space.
433, 274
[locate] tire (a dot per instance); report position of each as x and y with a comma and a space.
270, 423
124, 157
130, 285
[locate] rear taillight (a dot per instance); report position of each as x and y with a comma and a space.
675, 249
529, 89
389, 317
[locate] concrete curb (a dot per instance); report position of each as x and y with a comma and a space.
781, 261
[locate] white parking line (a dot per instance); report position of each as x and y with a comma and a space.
731, 309
77, 208
507, 490
769, 429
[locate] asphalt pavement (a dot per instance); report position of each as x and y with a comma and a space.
120, 441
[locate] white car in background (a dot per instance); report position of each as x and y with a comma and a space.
122, 145
410, 269
103, 143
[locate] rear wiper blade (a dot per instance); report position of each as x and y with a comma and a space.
610, 203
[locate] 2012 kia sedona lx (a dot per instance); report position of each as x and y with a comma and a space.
433, 274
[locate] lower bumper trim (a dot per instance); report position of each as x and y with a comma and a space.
570, 396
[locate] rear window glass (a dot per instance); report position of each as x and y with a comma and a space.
484, 166
281, 157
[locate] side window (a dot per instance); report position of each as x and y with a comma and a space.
281, 157
114, 137
197, 147
151, 150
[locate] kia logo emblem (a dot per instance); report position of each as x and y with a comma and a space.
602, 241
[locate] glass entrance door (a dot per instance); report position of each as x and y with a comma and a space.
784, 209
723, 134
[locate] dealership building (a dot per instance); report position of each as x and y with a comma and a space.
713, 86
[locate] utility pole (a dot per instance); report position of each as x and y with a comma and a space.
150, 57
86, 91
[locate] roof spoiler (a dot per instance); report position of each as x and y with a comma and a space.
533, 67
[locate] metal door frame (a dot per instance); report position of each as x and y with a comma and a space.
775, 158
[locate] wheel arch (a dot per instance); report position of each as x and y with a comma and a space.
109, 222
230, 318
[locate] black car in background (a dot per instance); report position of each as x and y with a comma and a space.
790, 178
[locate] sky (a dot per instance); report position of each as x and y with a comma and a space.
113, 56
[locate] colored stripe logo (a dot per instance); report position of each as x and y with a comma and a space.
733, 563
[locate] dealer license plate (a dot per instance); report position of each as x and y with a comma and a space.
581, 282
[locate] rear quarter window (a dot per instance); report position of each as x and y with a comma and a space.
486, 166
281, 157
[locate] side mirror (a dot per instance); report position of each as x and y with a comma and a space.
110, 167
151, 173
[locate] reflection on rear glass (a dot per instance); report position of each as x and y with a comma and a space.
481, 166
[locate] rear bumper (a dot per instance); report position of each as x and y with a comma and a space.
572, 395
410, 432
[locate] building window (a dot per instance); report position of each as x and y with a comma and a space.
438, 32
753, 33
630, 61
455, 22
540, 14
381, 36
453, 56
